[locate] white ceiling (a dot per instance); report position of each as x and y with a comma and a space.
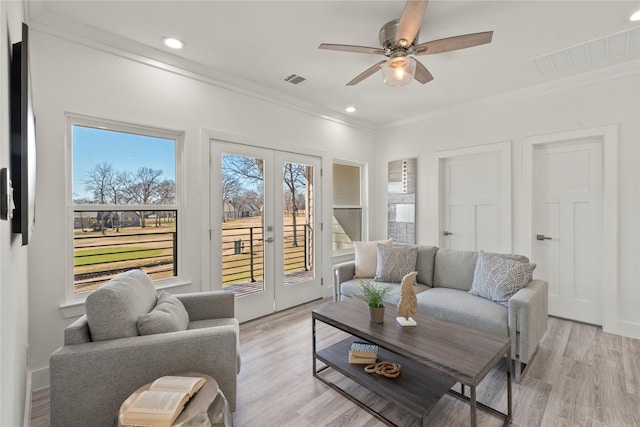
254, 45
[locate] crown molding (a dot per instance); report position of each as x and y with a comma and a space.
40, 20
614, 72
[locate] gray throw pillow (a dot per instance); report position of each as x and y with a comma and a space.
113, 309
394, 262
498, 278
169, 315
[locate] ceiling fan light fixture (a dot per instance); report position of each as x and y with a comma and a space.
398, 70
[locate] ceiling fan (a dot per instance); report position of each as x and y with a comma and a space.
399, 43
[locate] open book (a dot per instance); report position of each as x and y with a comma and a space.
163, 402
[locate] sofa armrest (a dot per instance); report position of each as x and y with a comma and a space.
208, 305
78, 332
341, 273
528, 313
90, 381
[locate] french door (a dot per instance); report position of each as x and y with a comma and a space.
264, 222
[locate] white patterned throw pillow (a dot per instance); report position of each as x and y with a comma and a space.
497, 278
394, 262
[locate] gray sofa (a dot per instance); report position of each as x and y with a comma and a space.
104, 359
444, 279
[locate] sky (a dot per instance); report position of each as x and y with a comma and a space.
123, 151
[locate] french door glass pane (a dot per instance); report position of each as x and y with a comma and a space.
242, 224
298, 222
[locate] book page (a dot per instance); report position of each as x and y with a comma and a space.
174, 383
158, 402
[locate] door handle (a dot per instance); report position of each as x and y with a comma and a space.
542, 237
446, 233
269, 240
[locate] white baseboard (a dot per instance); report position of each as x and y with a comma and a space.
26, 421
39, 378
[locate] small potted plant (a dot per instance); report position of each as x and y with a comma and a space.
374, 296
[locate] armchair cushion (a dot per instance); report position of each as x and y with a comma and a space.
169, 315
113, 309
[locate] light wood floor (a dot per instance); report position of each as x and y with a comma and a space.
581, 376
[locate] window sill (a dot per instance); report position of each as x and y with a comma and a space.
76, 308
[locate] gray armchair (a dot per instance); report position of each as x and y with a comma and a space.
91, 377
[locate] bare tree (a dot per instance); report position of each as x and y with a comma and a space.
231, 188
99, 182
166, 195
294, 177
141, 189
250, 168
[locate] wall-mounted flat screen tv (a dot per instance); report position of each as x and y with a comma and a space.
23, 140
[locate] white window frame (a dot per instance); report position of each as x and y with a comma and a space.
363, 206
112, 125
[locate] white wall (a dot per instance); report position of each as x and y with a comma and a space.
610, 102
13, 257
70, 77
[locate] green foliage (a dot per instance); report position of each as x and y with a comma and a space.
374, 294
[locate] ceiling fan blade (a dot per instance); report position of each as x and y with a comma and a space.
351, 48
410, 21
422, 74
453, 43
366, 73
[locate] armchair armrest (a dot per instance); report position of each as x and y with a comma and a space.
90, 381
341, 273
528, 312
208, 305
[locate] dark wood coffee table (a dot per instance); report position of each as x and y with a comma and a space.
435, 355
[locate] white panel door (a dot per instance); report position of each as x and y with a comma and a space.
471, 213
567, 220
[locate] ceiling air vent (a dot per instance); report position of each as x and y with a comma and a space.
592, 52
296, 80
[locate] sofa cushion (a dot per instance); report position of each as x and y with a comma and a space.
425, 263
366, 257
454, 269
353, 289
114, 308
465, 309
497, 278
395, 262
169, 315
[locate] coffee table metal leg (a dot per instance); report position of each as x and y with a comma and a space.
509, 414
473, 405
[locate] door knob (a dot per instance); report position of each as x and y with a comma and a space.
269, 240
447, 233
542, 237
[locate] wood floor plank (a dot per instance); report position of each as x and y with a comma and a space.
580, 376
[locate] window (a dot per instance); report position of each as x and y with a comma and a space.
124, 203
348, 206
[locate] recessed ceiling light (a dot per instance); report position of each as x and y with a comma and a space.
635, 16
173, 43
350, 109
